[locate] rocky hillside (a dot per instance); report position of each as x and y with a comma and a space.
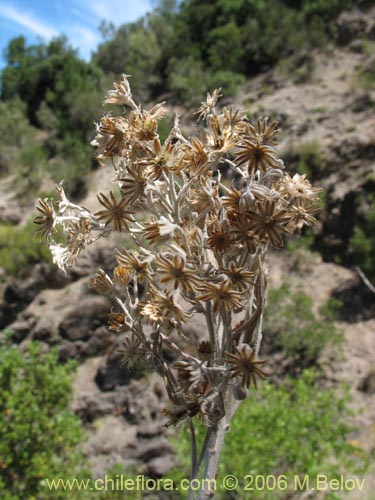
325, 105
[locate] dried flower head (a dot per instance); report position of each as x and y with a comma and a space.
101, 282
297, 187
205, 350
188, 375
133, 184
132, 351
202, 238
159, 160
223, 296
240, 277
208, 105
115, 212
117, 322
243, 364
175, 271
122, 93
45, 221
263, 132
219, 239
255, 155
163, 307
132, 264
269, 223
302, 214
121, 275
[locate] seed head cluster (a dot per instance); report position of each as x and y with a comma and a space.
201, 235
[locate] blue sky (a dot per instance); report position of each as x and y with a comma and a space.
77, 19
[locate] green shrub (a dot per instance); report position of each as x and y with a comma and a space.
223, 40
164, 127
304, 241
48, 73
304, 69
291, 326
15, 133
297, 428
19, 248
228, 81
187, 78
72, 161
301, 256
310, 159
364, 80
38, 434
46, 118
331, 309
31, 168
15, 128
362, 243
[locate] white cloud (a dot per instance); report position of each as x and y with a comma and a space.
83, 38
27, 21
93, 12
116, 11
86, 17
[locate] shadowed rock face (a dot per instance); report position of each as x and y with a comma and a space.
20, 291
84, 318
112, 372
351, 25
358, 302
368, 383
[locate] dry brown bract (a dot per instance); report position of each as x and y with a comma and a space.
122, 93
209, 104
263, 133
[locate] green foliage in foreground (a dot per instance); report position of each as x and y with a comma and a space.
291, 325
38, 434
19, 247
295, 428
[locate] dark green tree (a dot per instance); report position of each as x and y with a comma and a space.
51, 74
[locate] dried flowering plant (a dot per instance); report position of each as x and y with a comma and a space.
202, 242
